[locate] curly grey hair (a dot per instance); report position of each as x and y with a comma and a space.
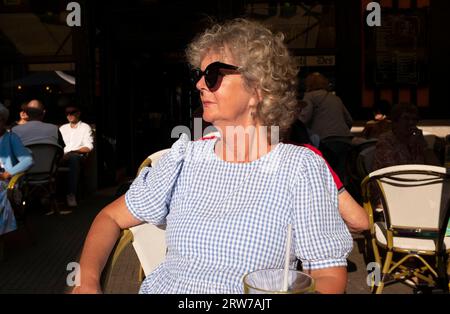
264, 62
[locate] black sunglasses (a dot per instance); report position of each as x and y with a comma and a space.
72, 112
212, 73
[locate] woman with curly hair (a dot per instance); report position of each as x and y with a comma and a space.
227, 201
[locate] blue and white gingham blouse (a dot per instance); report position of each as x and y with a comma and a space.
227, 219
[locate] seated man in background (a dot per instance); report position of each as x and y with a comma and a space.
78, 139
34, 131
405, 143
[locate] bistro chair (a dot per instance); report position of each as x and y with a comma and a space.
41, 177
148, 240
447, 152
415, 200
15, 196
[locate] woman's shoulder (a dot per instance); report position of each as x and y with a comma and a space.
184, 147
300, 162
299, 154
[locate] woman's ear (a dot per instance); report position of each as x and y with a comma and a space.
254, 102
259, 94
257, 98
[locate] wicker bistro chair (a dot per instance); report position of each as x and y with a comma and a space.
148, 240
41, 177
415, 200
15, 195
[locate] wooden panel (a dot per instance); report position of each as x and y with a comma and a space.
404, 4
404, 95
386, 3
423, 3
368, 98
386, 94
423, 97
413, 94
364, 4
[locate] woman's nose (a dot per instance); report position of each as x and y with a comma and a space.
201, 83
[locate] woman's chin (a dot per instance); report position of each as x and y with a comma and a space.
208, 118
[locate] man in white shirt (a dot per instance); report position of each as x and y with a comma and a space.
78, 139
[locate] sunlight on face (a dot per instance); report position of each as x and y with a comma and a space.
230, 103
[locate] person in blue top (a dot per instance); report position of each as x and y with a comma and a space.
227, 201
14, 158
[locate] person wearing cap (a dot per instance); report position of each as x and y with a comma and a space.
78, 141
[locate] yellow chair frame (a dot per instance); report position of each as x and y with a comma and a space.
10, 193
126, 236
440, 254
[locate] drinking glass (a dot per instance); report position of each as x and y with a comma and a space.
270, 281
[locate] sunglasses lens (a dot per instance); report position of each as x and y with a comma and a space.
196, 75
211, 75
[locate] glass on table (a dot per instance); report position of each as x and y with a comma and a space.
270, 281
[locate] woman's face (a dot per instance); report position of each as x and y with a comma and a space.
229, 103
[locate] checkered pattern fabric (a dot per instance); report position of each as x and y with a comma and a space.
227, 219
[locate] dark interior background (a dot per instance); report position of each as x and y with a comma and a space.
132, 78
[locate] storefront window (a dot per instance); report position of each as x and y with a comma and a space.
306, 24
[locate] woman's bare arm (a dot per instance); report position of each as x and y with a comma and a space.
355, 216
330, 280
100, 240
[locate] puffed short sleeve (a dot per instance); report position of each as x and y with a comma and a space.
322, 239
149, 195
